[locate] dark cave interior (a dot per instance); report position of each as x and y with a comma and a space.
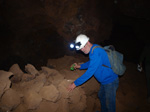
34, 44
32, 33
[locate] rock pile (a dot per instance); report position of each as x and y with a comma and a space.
43, 91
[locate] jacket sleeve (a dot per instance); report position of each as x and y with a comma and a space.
84, 65
95, 61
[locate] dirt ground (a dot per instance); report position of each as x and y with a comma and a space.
45, 90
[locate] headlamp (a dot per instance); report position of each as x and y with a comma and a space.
75, 45
71, 45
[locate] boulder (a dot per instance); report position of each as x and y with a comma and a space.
9, 100
33, 85
4, 81
27, 77
30, 69
15, 69
77, 100
50, 93
47, 106
32, 99
53, 75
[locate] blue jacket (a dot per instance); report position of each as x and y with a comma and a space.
104, 75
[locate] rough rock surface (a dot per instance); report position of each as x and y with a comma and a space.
47, 90
32, 99
17, 73
4, 81
50, 93
30, 69
10, 100
47, 106
42, 94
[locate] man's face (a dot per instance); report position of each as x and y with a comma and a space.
86, 48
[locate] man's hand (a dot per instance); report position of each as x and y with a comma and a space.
71, 87
76, 66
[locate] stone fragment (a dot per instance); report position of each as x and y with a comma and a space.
63, 105
33, 85
4, 81
15, 69
54, 76
62, 87
77, 100
17, 73
27, 77
50, 93
32, 99
47, 106
9, 100
30, 69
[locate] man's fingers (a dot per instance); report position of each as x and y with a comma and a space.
71, 87
69, 90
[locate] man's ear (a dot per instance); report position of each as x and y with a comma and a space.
88, 42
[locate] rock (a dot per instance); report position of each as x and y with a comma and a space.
90, 104
62, 87
63, 105
27, 77
30, 69
50, 93
21, 108
58, 65
4, 81
32, 99
10, 100
77, 100
47, 106
94, 86
15, 69
49, 72
15, 78
32, 85
17, 73
64, 101
53, 75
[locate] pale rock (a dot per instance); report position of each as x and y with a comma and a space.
47, 106
77, 100
50, 93
15, 69
63, 105
9, 100
17, 73
62, 87
32, 99
36, 83
30, 69
53, 75
4, 81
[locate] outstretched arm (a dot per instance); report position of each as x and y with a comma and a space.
71, 87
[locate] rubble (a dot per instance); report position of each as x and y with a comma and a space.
37, 90
47, 90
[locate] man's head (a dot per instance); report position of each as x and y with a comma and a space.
83, 44
80, 41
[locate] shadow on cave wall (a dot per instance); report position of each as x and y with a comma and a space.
30, 49
129, 35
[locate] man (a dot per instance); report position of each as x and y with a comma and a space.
96, 67
145, 58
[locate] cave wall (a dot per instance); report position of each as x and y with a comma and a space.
33, 30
